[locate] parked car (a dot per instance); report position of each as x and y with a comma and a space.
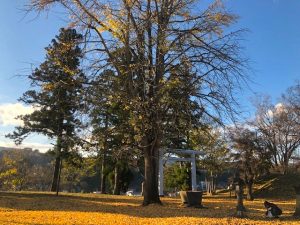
129, 193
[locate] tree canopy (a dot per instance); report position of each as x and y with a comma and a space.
56, 85
143, 42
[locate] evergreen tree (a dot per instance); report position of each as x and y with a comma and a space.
112, 132
56, 85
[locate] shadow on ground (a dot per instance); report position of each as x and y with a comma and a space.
217, 207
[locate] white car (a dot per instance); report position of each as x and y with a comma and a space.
129, 193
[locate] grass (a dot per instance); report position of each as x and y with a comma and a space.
46, 208
277, 186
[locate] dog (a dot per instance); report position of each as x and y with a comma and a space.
273, 211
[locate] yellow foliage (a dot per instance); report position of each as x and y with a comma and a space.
48, 86
101, 29
126, 107
112, 25
8, 173
46, 208
218, 17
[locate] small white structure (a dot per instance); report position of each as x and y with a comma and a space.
163, 159
129, 193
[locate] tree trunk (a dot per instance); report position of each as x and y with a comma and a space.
103, 175
151, 175
55, 180
58, 180
210, 185
117, 181
275, 158
240, 208
285, 166
56, 173
214, 185
249, 190
297, 211
189, 172
103, 161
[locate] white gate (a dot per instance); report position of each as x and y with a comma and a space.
163, 159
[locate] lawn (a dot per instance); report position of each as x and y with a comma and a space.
46, 208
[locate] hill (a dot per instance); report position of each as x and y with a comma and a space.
6, 148
11, 148
24, 169
277, 186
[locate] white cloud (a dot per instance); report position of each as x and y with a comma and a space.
9, 112
279, 106
270, 113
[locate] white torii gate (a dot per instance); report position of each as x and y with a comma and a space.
192, 159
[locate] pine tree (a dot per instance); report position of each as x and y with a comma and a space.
56, 86
112, 132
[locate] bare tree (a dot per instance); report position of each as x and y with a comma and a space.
142, 41
250, 155
280, 127
292, 98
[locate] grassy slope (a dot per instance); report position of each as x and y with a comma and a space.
277, 186
46, 208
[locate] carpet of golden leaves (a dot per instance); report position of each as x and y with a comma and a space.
46, 208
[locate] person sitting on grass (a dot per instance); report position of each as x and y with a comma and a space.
273, 211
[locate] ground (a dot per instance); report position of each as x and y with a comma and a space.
46, 208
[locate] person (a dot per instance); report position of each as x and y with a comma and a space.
273, 211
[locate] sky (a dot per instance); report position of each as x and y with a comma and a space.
272, 44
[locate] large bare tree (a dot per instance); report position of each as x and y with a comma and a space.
143, 41
251, 157
280, 128
292, 98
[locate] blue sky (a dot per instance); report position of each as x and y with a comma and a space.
22, 43
272, 45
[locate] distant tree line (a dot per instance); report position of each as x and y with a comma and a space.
31, 170
25, 169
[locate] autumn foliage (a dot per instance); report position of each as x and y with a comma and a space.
46, 208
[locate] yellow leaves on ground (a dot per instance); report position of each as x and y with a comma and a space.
46, 208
